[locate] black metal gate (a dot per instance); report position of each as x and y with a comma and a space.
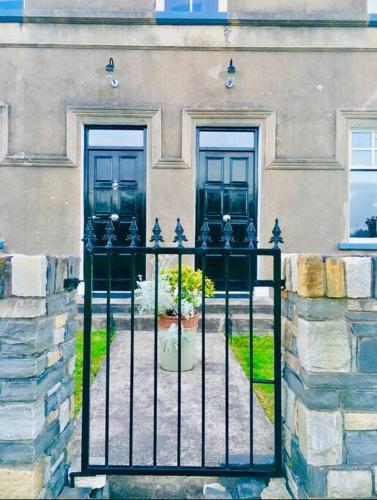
252, 465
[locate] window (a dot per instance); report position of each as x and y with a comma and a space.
372, 6
106, 137
11, 9
363, 184
191, 9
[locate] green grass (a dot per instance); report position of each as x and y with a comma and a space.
98, 354
263, 351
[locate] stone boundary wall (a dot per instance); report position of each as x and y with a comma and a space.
37, 346
329, 329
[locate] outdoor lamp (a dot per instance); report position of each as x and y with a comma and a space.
110, 70
231, 71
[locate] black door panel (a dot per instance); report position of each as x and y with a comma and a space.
116, 185
227, 185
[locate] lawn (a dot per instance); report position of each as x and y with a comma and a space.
263, 349
98, 354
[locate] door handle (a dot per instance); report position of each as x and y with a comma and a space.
226, 218
114, 217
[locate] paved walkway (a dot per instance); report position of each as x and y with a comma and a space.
167, 408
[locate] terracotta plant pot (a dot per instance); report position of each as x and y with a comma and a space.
169, 356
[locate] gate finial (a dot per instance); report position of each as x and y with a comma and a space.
251, 235
133, 237
156, 236
227, 234
89, 236
276, 238
109, 235
204, 236
180, 236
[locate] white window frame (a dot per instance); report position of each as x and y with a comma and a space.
223, 5
372, 168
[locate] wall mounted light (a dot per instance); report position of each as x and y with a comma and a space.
110, 73
231, 72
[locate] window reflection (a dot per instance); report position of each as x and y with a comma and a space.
226, 139
363, 202
133, 138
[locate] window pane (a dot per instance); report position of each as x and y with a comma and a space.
361, 158
361, 139
177, 5
226, 139
363, 202
116, 138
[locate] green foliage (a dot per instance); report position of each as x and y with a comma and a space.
191, 284
98, 353
263, 366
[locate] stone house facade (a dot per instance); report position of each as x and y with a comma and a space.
293, 137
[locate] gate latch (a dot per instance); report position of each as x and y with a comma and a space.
71, 284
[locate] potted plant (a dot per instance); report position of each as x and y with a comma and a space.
168, 311
372, 226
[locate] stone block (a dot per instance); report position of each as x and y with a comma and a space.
364, 330
294, 259
359, 400
61, 274
361, 447
287, 273
21, 482
360, 421
71, 329
358, 276
289, 406
52, 417
71, 366
320, 436
59, 336
74, 493
29, 276
69, 348
5, 276
276, 489
57, 304
317, 399
349, 484
292, 362
27, 421
64, 415
26, 337
320, 309
13, 368
335, 278
313, 479
215, 491
51, 274
60, 320
54, 356
311, 279
19, 390
22, 308
323, 346
250, 488
374, 280
367, 354
362, 305
73, 267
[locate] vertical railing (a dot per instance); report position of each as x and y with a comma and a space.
133, 251
89, 240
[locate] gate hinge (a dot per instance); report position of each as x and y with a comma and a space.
71, 284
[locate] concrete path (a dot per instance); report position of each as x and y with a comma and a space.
167, 408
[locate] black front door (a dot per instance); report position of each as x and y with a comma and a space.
115, 185
227, 185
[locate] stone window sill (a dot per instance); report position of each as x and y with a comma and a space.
357, 246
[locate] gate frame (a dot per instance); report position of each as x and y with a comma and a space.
255, 470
